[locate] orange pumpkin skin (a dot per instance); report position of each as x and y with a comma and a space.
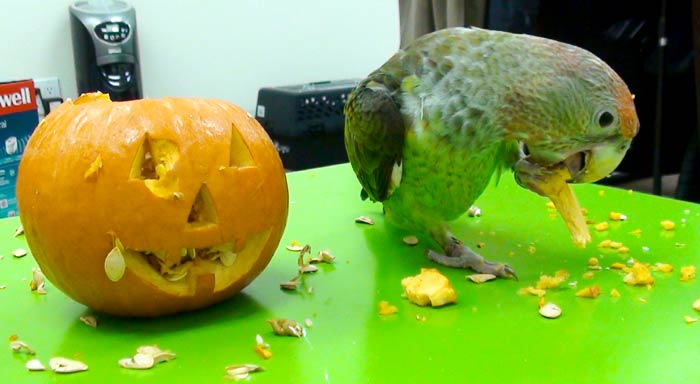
86, 179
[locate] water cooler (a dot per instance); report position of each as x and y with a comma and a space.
105, 48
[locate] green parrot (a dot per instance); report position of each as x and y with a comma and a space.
427, 131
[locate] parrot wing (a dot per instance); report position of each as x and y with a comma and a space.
374, 134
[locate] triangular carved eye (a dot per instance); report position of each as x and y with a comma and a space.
154, 163
203, 210
240, 154
143, 167
155, 159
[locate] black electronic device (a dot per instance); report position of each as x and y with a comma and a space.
105, 49
306, 122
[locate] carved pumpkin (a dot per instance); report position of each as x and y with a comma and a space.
151, 207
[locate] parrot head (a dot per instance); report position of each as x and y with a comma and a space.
612, 127
572, 110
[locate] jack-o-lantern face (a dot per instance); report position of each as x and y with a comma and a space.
151, 207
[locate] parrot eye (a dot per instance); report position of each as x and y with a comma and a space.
605, 118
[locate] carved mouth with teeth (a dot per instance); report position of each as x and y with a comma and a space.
195, 270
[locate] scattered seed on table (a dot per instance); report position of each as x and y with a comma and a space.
550, 311
19, 252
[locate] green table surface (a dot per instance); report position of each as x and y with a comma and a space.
492, 333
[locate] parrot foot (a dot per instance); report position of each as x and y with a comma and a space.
460, 256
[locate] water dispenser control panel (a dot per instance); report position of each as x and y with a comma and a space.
112, 32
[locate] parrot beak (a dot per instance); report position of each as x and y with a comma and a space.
593, 164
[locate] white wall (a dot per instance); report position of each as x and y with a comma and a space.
213, 48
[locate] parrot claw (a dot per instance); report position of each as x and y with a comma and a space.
461, 256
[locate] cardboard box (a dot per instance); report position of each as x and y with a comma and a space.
18, 118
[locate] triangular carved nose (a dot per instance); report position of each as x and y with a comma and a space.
203, 210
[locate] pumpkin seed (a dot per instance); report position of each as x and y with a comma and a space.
241, 371
89, 320
158, 354
364, 220
550, 311
138, 361
115, 265
286, 327
19, 252
410, 240
149, 350
481, 277
228, 258
19, 230
63, 365
259, 340
305, 250
21, 346
163, 356
176, 277
474, 211
38, 282
291, 284
146, 357
323, 256
178, 273
295, 248
34, 365
308, 268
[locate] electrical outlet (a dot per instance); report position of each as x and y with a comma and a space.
49, 87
